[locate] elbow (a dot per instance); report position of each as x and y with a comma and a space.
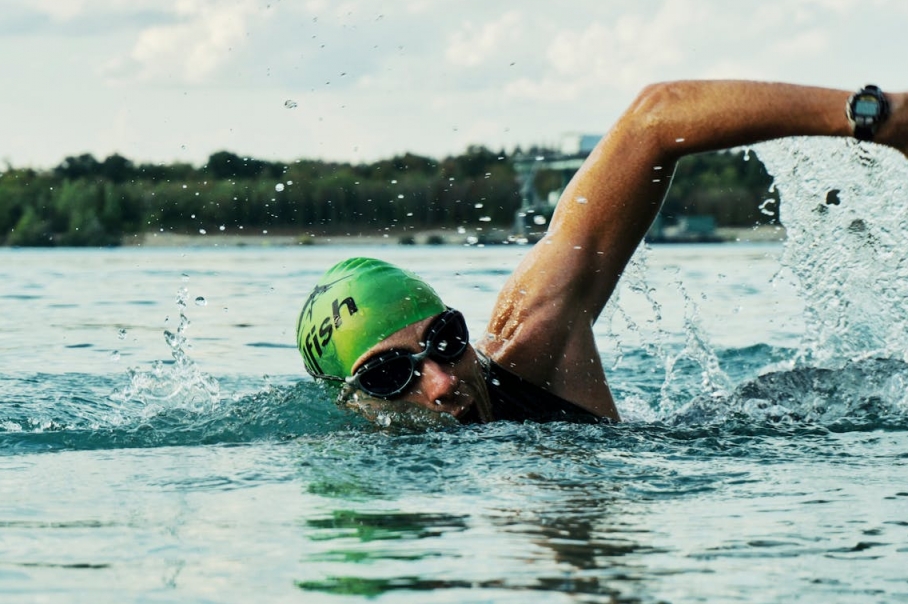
652, 119
657, 100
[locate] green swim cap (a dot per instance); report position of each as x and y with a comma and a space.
358, 303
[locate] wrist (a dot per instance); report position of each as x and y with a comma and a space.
892, 132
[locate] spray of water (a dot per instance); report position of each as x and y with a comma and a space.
649, 337
180, 384
845, 207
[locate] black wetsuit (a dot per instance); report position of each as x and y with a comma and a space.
515, 399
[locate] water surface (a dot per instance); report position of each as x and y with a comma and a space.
159, 442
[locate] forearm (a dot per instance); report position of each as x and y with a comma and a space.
680, 118
625, 178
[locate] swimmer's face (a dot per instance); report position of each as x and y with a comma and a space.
456, 388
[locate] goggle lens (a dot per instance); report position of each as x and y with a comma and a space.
388, 377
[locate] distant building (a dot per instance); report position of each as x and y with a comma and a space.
535, 209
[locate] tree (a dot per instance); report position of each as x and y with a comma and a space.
82, 166
31, 230
116, 169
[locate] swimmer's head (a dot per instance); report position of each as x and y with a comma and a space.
355, 305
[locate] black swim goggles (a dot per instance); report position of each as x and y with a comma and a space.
389, 374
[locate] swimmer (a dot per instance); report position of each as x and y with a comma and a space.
387, 336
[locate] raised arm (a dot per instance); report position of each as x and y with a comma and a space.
542, 323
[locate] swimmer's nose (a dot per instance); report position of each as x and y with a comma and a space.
437, 382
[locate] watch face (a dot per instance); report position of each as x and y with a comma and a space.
866, 107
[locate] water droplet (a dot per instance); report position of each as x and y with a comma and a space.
200, 301
279, 187
496, 382
222, 228
203, 232
121, 334
679, 140
478, 205
485, 219
290, 104
765, 209
537, 219
581, 199
461, 230
115, 355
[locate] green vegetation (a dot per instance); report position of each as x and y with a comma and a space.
731, 186
86, 202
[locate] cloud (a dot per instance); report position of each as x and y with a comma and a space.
57, 10
808, 43
475, 44
79, 18
608, 54
146, 76
204, 37
21, 21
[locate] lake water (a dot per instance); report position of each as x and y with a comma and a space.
159, 441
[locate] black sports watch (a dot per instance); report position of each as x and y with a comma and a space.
866, 110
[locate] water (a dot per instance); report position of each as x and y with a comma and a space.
158, 447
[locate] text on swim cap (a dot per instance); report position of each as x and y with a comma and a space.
315, 341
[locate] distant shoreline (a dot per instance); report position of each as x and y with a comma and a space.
760, 234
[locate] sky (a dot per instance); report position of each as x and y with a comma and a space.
362, 80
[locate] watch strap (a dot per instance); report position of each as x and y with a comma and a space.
864, 133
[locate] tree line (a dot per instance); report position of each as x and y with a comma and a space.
86, 202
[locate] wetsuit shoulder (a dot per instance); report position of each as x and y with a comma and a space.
515, 399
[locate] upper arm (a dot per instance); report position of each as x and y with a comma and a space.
541, 326
601, 218
542, 322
